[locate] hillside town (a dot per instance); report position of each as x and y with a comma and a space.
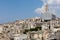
46, 27
31, 29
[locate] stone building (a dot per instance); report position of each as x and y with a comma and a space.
48, 28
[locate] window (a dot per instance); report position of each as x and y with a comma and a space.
54, 39
6, 26
24, 39
11, 38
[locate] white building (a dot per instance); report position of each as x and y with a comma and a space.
20, 37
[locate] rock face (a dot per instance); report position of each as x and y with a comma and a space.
8, 30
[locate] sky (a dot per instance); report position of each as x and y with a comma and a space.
53, 7
11, 10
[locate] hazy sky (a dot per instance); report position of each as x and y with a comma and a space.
11, 10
